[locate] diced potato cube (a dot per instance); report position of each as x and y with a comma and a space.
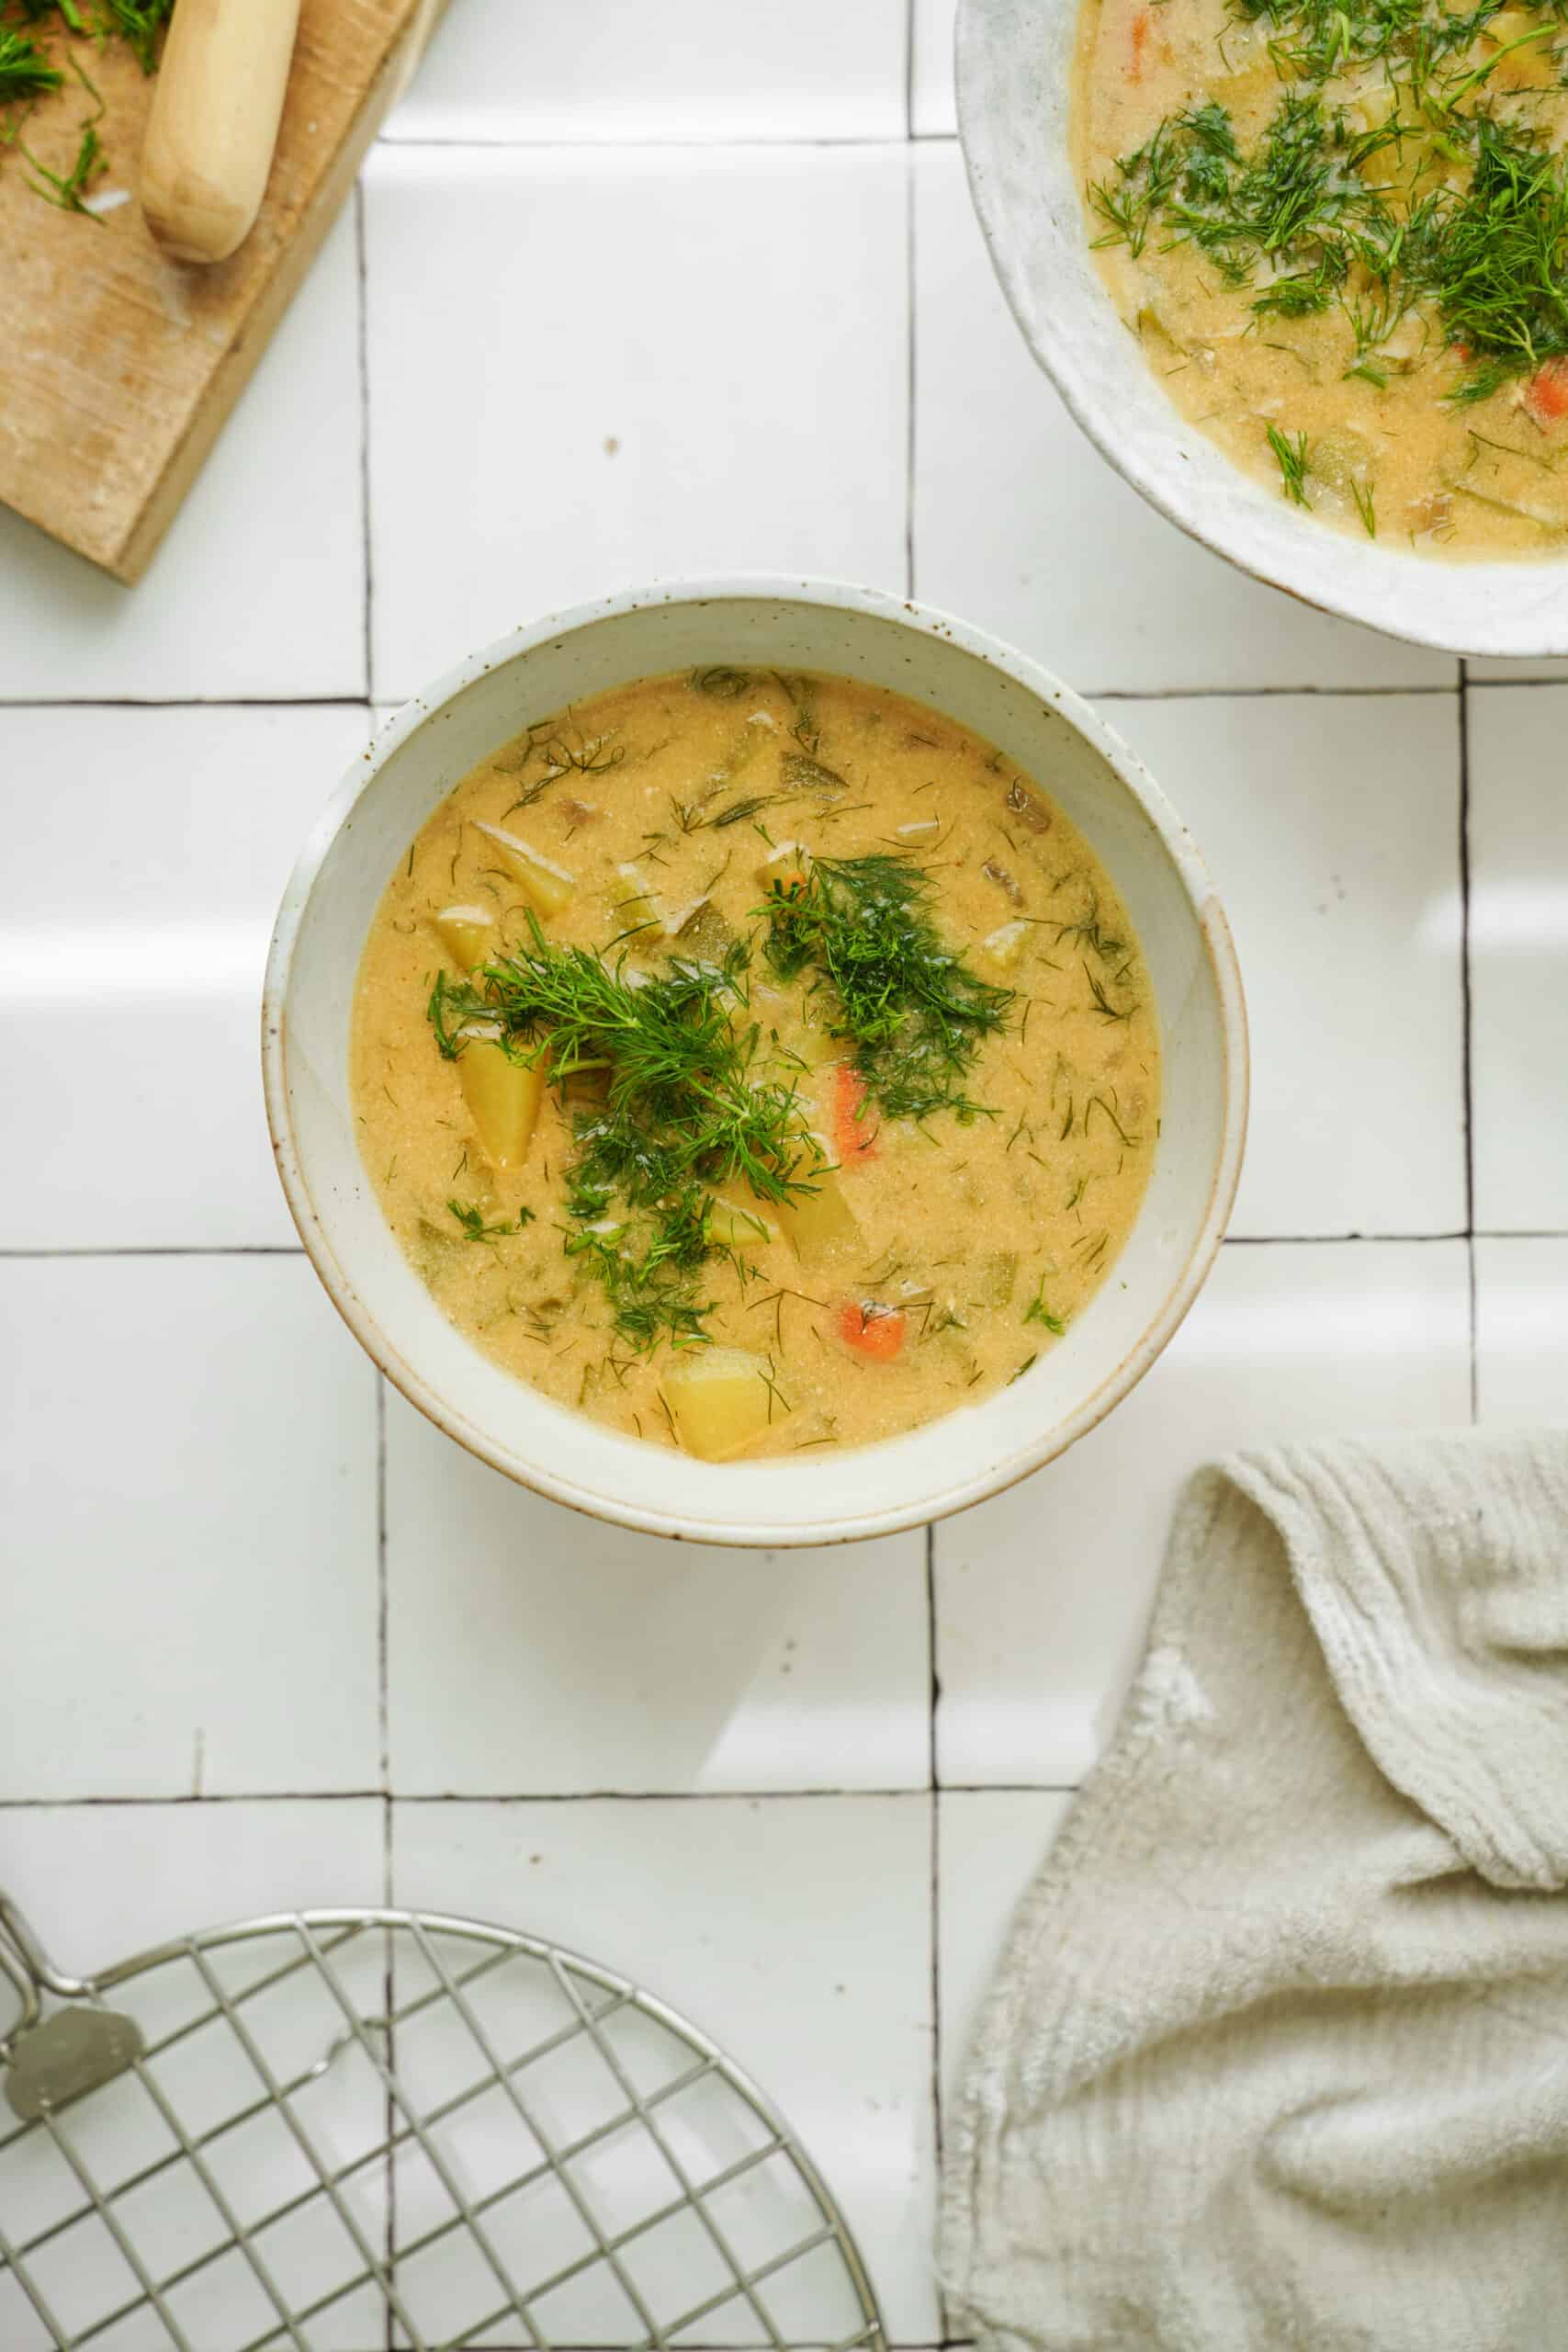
791, 861
719, 1402
740, 1225
546, 886
818, 1222
468, 934
635, 905
701, 932
503, 1098
1003, 947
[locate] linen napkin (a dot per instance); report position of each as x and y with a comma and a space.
1277, 2054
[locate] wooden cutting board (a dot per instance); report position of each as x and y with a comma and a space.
119, 366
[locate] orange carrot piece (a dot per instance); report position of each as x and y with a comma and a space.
852, 1139
1142, 23
1546, 394
875, 1332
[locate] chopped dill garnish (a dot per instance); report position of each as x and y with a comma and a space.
67, 192
913, 1011
1038, 1312
1293, 465
472, 1220
1366, 508
24, 69
683, 1111
720, 681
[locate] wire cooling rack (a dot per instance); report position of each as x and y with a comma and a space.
394, 2132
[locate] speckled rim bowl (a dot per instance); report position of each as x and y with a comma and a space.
1014, 82
415, 763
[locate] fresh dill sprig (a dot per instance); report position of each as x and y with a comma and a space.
910, 1006
1038, 1312
472, 1220
684, 1110
24, 69
138, 23
1294, 464
67, 192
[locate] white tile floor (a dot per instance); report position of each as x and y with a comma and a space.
632, 308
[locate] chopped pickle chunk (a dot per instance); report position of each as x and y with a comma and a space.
468, 934
548, 888
996, 1279
700, 931
632, 904
720, 1401
503, 1098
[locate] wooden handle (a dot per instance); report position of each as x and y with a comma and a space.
213, 126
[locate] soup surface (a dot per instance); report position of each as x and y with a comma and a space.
755, 1062
1340, 229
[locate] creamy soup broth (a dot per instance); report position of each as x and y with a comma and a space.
939, 1254
1341, 238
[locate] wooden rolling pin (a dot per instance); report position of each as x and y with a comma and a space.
216, 107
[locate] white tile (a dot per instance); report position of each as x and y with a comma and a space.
259, 587
1021, 527
1521, 1330
1042, 1595
99, 1883
692, 70
665, 362
534, 1650
1482, 671
1519, 956
992, 1843
145, 861
189, 1476
934, 112
1331, 827
795, 1930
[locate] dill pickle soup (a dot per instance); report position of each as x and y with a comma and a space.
755, 1063
1340, 235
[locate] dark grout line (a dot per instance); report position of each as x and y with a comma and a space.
1260, 694
922, 1794
909, 385
160, 1250
1467, 1031
785, 142
355, 700
362, 350
1331, 1241
909, 69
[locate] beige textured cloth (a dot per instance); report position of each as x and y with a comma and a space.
1277, 2054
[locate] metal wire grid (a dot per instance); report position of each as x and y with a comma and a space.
747, 2249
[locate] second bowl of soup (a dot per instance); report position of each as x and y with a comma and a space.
1297, 269
765, 1066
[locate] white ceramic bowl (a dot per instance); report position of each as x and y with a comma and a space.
1014, 85
415, 763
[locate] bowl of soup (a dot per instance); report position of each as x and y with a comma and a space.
758, 1062
1298, 271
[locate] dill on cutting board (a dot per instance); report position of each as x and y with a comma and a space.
31, 73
